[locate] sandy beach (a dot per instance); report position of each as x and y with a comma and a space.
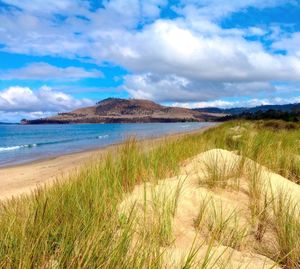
22, 179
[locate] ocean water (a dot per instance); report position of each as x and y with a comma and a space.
26, 143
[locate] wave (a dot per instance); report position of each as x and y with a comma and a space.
10, 148
102, 136
17, 147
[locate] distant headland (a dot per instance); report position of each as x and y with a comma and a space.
116, 110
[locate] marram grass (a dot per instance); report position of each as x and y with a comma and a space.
76, 223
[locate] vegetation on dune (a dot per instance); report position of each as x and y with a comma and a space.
77, 224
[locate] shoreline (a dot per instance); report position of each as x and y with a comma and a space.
99, 148
24, 178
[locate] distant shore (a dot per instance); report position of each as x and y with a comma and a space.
24, 178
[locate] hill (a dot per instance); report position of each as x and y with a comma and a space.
116, 110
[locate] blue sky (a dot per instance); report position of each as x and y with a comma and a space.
63, 54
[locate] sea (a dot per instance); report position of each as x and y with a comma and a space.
21, 144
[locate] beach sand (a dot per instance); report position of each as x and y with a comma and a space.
23, 179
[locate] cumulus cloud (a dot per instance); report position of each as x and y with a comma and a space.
192, 43
176, 89
188, 53
24, 99
70, 28
193, 64
45, 71
190, 57
289, 44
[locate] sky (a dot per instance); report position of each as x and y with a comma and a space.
60, 55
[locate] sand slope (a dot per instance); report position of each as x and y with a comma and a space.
197, 210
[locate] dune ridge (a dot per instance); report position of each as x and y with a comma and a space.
189, 194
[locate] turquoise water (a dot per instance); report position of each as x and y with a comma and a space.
25, 143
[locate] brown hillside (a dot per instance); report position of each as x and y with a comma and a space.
115, 110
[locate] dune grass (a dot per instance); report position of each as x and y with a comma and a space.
259, 202
220, 224
286, 225
164, 209
218, 173
76, 223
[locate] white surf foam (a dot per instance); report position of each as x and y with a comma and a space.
2, 149
102, 136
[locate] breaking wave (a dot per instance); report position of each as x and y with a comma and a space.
2, 149
10, 148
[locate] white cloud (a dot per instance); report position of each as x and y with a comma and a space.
240, 103
180, 89
188, 58
70, 28
16, 116
290, 44
48, 6
185, 52
194, 41
256, 31
16, 99
44, 71
193, 46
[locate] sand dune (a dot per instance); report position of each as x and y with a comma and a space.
194, 210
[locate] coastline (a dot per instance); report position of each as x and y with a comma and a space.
24, 178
